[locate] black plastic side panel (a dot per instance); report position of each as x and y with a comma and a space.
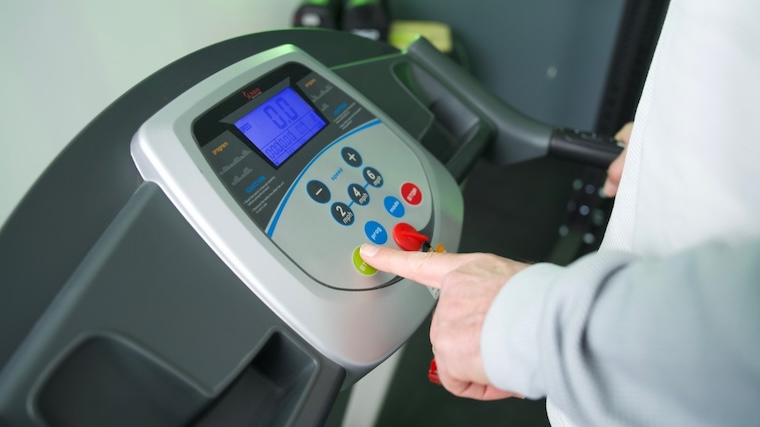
107, 381
152, 329
270, 390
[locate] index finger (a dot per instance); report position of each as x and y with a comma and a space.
426, 268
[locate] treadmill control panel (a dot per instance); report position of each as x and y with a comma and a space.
285, 170
312, 167
315, 170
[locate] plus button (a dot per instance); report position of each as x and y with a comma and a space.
351, 157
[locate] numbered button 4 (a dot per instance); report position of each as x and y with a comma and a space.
358, 194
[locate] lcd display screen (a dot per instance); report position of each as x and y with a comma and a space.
281, 125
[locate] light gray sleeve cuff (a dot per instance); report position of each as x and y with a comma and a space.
532, 337
509, 339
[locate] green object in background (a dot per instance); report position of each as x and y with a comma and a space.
355, 3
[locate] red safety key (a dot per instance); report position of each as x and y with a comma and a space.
408, 238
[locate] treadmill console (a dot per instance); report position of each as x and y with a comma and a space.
315, 170
285, 170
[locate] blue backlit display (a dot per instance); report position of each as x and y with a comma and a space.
281, 125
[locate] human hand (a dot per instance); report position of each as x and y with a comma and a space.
615, 170
468, 284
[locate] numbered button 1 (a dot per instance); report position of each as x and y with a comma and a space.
373, 177
342, 213
351, 156
358, 194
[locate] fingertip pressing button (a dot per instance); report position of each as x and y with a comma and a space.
361, 266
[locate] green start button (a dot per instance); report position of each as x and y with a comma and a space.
361, 266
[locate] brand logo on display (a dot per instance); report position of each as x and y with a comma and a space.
249, 95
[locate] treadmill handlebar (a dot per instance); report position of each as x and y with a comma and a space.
584, 147
516, 137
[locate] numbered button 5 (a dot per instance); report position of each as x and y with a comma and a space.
342, 213
358, 194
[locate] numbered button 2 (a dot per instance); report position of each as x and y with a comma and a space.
342, 213
358, 194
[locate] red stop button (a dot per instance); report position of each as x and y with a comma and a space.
411, 193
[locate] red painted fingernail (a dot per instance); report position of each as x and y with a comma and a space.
433, 373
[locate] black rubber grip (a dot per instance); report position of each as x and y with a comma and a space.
584, 147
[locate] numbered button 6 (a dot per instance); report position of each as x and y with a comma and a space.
373, 177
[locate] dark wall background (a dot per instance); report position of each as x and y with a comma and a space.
549, 58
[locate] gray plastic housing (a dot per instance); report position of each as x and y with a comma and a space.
356, 329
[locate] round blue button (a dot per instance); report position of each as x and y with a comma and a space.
394, 206
375, 232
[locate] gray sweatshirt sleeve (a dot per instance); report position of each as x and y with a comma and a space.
618, 340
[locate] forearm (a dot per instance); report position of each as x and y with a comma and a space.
612, 338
